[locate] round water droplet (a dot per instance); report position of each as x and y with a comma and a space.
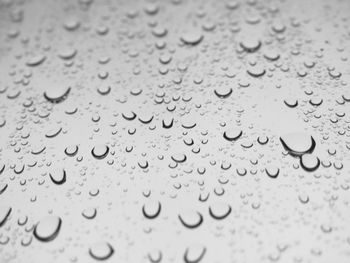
272, 171
179, 158
48, 228
309, 162
298, 143
219, 210
256, 71
104, 90
291, 103
101, 251
191, 219
89, 213
194, 253
250, 45
67, 53
129, 115
192, 38
223, 92
151, 209
271, 55
71, 150
232, 134
155, 256
58, 176
100, 151
56, 93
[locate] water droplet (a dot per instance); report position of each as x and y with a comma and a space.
272, 171
5, 211
223, 92
151, 209
56, 94
192, 38
191, 219
179, 158
194, 253
89, 213
58, 176
100, 151
298, 143
232, 134
250, 45
309, 162
219, 210
101, 251
36, 60
48, 228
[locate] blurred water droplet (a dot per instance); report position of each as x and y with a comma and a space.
194, 253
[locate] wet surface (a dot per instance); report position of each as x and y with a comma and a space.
174, 131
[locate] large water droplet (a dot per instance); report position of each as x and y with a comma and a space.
298, 143
48, 228
56, 94
194, 253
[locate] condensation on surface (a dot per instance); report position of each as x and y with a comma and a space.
174, 131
